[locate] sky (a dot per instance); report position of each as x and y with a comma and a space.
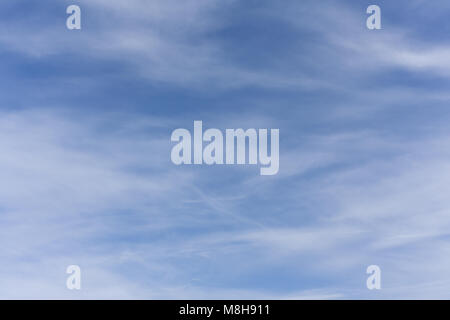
86, 176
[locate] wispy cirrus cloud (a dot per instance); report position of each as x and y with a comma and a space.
86, 177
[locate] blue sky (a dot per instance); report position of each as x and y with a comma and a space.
86, 177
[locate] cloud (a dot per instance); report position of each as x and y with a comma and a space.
363, 157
